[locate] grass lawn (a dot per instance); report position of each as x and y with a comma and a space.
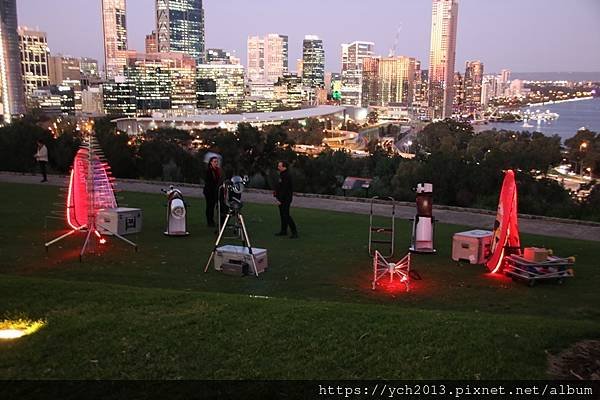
154, 314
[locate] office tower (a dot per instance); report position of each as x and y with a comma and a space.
489, 89
313, 62
459, 93
92, 102
89, 67
162, 81
65, 70
220, 56
115, 37
472, 85
388, 81
11, 79
151, 43
54, 100
34, 59
267, 57
288, 90
180, 27
119, 97
299, 67
352, 60
220, 87
503, 83
442, 55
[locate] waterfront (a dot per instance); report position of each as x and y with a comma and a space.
573, 115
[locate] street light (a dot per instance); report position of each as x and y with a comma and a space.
582, 147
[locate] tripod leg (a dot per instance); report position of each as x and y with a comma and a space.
247, 241
85, 244
129, 242
60, 238
217, 242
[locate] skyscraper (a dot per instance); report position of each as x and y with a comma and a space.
34, 59
151, 43
267, 57
11, 80
313, 64
115, 37
180, 27
352, 63
89, 67
388, 81
473, 80
442, 55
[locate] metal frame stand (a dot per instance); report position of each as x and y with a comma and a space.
245, 238
387, 230
381, 268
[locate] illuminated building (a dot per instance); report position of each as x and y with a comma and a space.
119, 97
444, 17
220, 87
11, 79
288, 89
352, 60
151, 43
220, 56
66, 71
180, 27
388, 81
54, 100
92, 103
89, 67
115, 36
267, 57
473, 80
34, 59
313, 62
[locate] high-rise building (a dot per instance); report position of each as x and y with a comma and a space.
288, 90
11, 79
220, 87
151, 43
34, 59
119, 97
313, 66
489, 89
115, 37
472, 85
65, 70
92, 102
220, 56
352, 59
267, 57
162, 81
180, 27
89, 67
54, 100
388, 81
444, 17
459, 93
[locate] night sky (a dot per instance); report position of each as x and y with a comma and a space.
521, 35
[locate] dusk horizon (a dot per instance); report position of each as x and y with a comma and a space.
537, 27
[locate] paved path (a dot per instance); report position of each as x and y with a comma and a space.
472, 218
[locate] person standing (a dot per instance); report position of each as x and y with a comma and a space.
41, 157
212, 181
284, 194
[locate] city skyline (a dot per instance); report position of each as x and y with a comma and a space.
539, 42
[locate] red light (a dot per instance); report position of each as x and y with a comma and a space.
102, 241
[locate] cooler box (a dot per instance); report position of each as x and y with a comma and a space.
237, 260
121, 221
472, 246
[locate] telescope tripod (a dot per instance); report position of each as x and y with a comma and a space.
245, 238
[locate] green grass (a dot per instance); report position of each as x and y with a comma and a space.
155, 314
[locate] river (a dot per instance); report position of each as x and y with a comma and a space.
573, 115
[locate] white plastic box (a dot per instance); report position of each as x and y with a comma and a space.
121, 221
231, 259
472, 246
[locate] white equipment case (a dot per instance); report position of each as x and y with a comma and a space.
233, 259
121, 221
472, 246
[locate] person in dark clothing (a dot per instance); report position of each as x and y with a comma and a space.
284, 194
212, 181
41, 157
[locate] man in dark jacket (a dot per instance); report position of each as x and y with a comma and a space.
284, 195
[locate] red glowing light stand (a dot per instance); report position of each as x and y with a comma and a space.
91, 189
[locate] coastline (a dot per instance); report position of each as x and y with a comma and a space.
559, 101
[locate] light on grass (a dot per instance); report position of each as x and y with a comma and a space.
14, 329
